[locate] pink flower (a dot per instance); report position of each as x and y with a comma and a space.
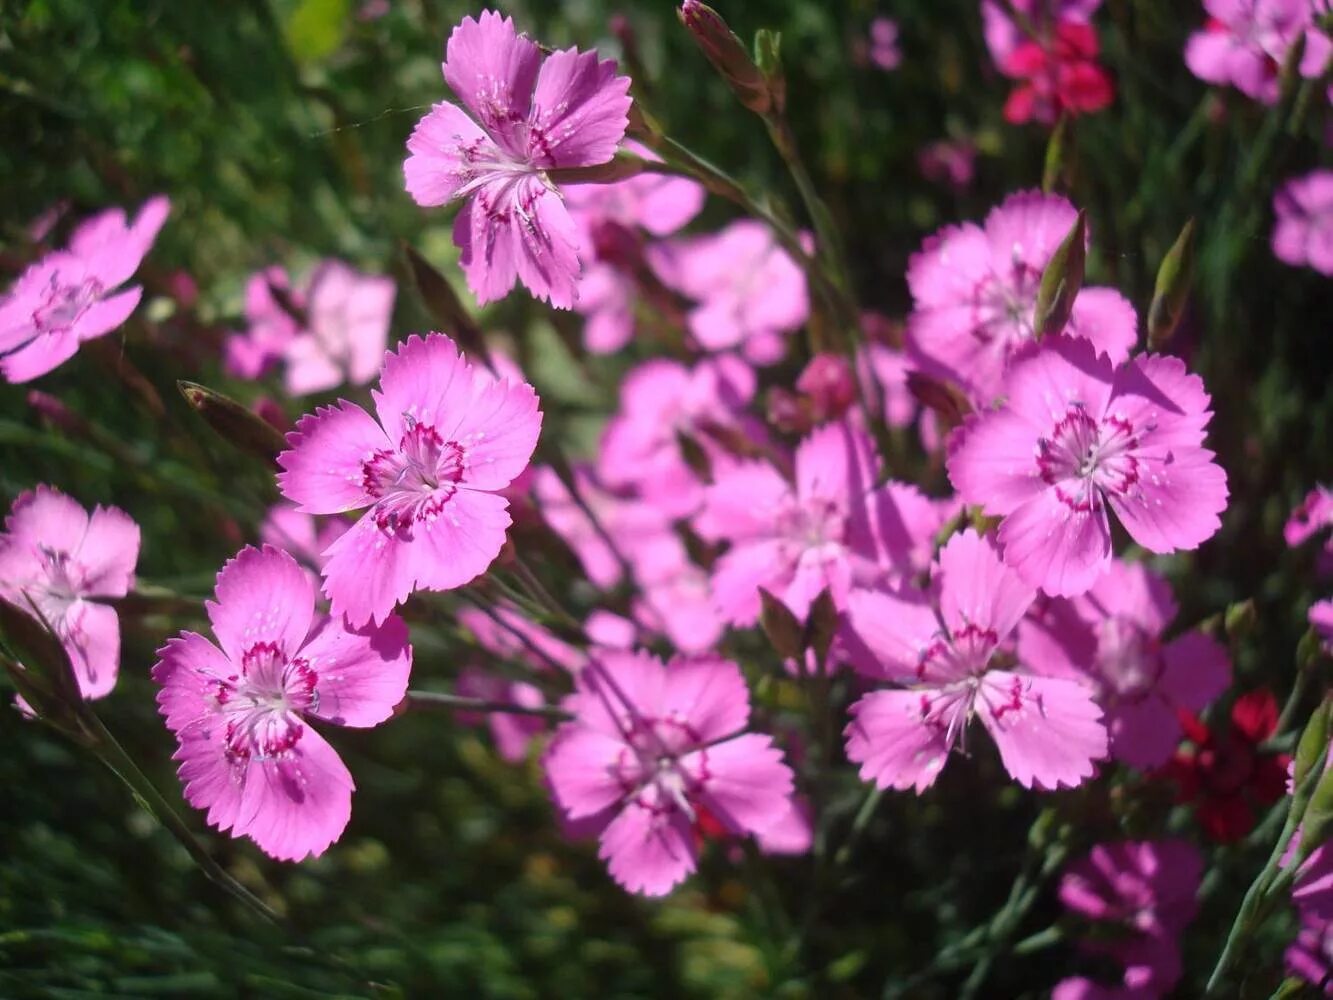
56, 556
447, 440
1310, 956
949, 162
833, 527
305, 537
1059, 73
1003, 36
652, 749
750, 293
675, 598
1111, 637
660, 401
938, 653
1304, 231
883, 49
75, 294
975, 291
1077, 436
1245, 42
271, 327
241, 714
1312, 516
348, 315
1146, 891
528, 114
511, 732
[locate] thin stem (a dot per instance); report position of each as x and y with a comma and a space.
427, 700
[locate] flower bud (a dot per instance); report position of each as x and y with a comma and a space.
1313, 744
1058, 148
56, 413
244, 429
1061, 281
950, 405
1240, 619
1172, 289
828, 383
821, 625
780, 625
444, 306
728, 56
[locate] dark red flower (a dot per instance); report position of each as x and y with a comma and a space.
1226, 774
1058, 73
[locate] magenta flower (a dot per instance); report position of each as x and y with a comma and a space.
448, 438
1078, 436
751, 295
1310, 956
1111, 637
660, 401
1312, 516
1004, 37
1145, 891
525, 114
938, 653
654, 748
883, 47
833, 527
347, 328
1304, 231
55, 556
1245, 42
76, 294
241, 714
975, 291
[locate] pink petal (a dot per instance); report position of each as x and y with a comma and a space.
492, 69
1028, 226
1049, 731
428, 381
739, 574
580, 110
887, 632
836, 462
709, 692
1197, 669
90, 633
1065, 370
1133, 591
993, 463
1161, 398
46, 518
499, 430
1055, 547
107, 314
742, 502
108, 552
648, 851
1107, 319
948, 268
44, 353
362, 673
1144, 734
443, 149
188, 671
895, 741
263, 596
978, 589
324, 465
1178, 504
581, 767
746, 786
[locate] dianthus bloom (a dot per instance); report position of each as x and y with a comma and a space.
1245, 42
1112, 637
270, 326
1145, 890
1078, 435
751, 295
75, 294
241, 714
655, 748
974, 291
1304, 231
1310, 517
1003, 36
56, 556
1225, 773
1059, 73
528, 114
939, 652
882, 44
835, 527
447, 439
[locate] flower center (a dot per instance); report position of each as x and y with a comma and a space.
1002, 306
63, 304
262, 704
649, 767
1128, 659
1085, 458
962, 654
811, 525
415, 482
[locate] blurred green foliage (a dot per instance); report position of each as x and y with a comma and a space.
278, 128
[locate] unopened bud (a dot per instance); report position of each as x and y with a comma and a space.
1313, 744
821, 625
444, 306
768, 57
56, 413
695, 457
1057, 155
1171, 291
780, 625
1061, 281
728, 56
950, 405
50, 675
789, 412
1241, 618
1317, 820
238, 425
828, 383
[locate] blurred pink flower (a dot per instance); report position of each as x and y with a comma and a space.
347, 330
1077, 436
938, 651
655, 748
1245, 42
1303, 234
1111, 637
56, 556
536, 113
241, 714
948, 162
447, 439
1312, 516
974, 290
1003, 36
1058, 73
304, 536
1310, 956
883, 47
74, 295
271, 327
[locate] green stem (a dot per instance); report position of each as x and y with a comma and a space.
458, 703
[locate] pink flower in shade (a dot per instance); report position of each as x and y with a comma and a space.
241, 714
652, 749
1245, 42
751, 295
1004, 37
525, 114
1304, 231
883, 49
76, 294
938, 652
949, 162
1312, 516
1059, 74
660, 401
1145, 891
675, 598
447, 439
1112, 637
347, 328
1078, 436
834, 527
511, 732
1310, 956
55, 556
305, 537
974, 290
271, 327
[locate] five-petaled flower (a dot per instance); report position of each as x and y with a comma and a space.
529, 115
241, 714
656, 750
448, 439
1078, 436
